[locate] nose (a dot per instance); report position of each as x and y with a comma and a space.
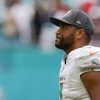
57, 32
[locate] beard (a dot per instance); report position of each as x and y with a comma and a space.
60, 44
63, 43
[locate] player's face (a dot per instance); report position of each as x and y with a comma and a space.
65, 36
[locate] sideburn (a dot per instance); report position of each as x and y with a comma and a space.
66, 44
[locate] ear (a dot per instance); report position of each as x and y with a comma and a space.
80, 33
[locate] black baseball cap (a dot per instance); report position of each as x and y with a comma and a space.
76, 18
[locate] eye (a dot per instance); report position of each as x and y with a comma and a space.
65, 26
62, 27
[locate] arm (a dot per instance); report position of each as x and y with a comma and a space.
91, 81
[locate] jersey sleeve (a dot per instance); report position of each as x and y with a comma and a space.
89, 63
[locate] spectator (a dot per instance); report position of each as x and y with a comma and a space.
22, 16
94, 12
86, 6
10, 27
39, 18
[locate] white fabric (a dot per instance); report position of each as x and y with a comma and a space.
22, 15
78, 61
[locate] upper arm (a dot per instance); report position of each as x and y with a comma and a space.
90, 75
91, 81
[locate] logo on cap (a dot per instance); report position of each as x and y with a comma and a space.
78, 22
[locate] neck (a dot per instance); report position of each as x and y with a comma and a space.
73, 47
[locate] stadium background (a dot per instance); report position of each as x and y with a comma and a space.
29, 71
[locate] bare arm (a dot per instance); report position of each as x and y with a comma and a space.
91, 81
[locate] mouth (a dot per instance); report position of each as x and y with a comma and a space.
58, 39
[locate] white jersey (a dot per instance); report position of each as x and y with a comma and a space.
78, 61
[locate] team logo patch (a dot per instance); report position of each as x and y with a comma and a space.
92, 63
95, 61
92, 53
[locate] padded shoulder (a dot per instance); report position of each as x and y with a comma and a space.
89, 60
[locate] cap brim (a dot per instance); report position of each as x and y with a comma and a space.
59, 22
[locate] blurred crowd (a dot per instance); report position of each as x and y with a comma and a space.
28, 23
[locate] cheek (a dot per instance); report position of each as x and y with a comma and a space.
66, 36
69, 37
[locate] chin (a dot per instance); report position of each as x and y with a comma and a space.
58, 46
